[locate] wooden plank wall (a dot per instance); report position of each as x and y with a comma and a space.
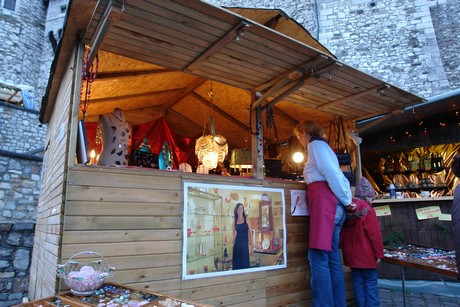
134, 218
45, 252
430, 232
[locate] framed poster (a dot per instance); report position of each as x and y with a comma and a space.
232, 229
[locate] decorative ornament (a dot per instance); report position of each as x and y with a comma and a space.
88, 74
165, 158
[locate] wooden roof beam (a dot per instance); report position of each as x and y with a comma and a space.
131, 73
120, 97
273, 22
352, 97
278, 83
111, 14
128, 113
375, 122
183, 93
220, 111
312, 76
285, 116
291, 88
223, 41
295, 75
306, 66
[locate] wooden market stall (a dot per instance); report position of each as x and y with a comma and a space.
414, 149
157, 61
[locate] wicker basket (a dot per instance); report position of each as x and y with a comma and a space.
82, 274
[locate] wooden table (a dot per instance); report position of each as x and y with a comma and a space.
410, 262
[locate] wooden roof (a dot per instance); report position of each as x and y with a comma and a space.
161, 58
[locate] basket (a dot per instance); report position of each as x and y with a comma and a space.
82, 275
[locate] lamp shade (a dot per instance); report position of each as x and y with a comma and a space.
211, 149
241, 158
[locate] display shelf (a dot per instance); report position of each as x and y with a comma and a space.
418, 189
209, 232
271, 250
419, 171
202, 194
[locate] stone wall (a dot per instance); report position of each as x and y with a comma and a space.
16, 241
446, 21
53, 31
21, 34
21, 150
20, 130
393, 40
25, 59
19, 189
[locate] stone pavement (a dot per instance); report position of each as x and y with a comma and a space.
394, 298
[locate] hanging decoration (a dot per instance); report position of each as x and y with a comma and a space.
211, 149
272, 135
88, 75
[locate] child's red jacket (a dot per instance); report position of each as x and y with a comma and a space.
360, 238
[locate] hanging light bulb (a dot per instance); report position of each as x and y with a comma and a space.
298, 157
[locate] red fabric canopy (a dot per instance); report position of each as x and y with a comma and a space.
182, 148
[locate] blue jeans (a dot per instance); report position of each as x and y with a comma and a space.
365, 287
327, 282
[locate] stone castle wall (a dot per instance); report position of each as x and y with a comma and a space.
21, 144
16, 242
21, 34
446, 21
21, 139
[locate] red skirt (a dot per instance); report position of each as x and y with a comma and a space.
322, 205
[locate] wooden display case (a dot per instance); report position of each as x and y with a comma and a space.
209, 233
112, 292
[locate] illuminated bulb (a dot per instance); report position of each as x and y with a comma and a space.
298, 157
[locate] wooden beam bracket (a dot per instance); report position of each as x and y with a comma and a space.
235, 33
111, 14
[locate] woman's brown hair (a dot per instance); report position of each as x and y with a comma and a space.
309, 127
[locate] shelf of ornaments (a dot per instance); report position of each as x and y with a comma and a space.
204, 213
418, 189
206, 257
202, 194
193, 259
207, 234
418, 171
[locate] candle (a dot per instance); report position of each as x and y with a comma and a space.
92, 155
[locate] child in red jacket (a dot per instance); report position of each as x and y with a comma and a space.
362, 246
